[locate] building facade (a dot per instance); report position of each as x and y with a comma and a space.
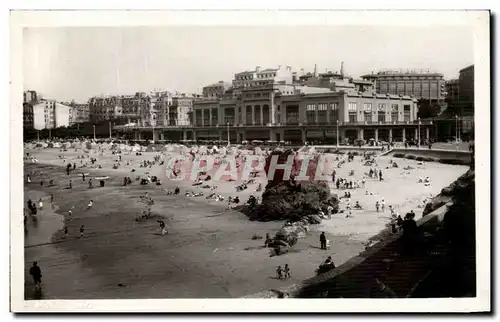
466, 84
260, 77
80, 113
216, 90
290, 113
104, 108
452, 91
48, 114
423, 85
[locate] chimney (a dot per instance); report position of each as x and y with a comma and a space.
257, 69
315, 70
342, 69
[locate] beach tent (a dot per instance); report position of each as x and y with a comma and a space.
135, 148
202, 149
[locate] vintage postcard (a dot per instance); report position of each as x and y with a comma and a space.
244, 161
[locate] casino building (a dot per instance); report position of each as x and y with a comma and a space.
320, 107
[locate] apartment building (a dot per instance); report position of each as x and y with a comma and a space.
421, 84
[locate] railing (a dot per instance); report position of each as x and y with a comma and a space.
288, 123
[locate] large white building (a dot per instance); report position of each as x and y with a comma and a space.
48, 114
260, 77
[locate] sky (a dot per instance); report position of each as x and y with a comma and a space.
66, 63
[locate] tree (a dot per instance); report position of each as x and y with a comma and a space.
426, 109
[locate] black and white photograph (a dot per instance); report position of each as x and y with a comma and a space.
287, 156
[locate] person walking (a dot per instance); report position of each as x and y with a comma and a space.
377, 205
36, 272
322, 240
82, 229
66, 232
40, 204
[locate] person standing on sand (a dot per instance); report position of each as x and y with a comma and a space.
377, 205
82, 229
40, 204
322, 240
287, 271
90, 183
91, 203
163, 231
83, 177
70, 184
279, 273
382, 204
66, 231
52, 200
36, 272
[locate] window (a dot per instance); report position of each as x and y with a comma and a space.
265, 114
394, 112
367, 107
381, 113
292, 114
407, 111
198, 119
257, 114
311, 113
353, 116
229, 115
322, 113
249, 118
353, 107
206, 117
215, 116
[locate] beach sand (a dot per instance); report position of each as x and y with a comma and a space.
208, 251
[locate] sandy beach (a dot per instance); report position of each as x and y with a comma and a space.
208, 251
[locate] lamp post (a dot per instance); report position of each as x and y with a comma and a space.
228, 140
337, 133
38, 135
419, 122
110, 130
93, 126
153, 123
456, 130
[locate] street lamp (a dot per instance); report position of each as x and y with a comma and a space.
110, 130
419, 122
93, 126
456, 130
228, 141
337, 133
153, 121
